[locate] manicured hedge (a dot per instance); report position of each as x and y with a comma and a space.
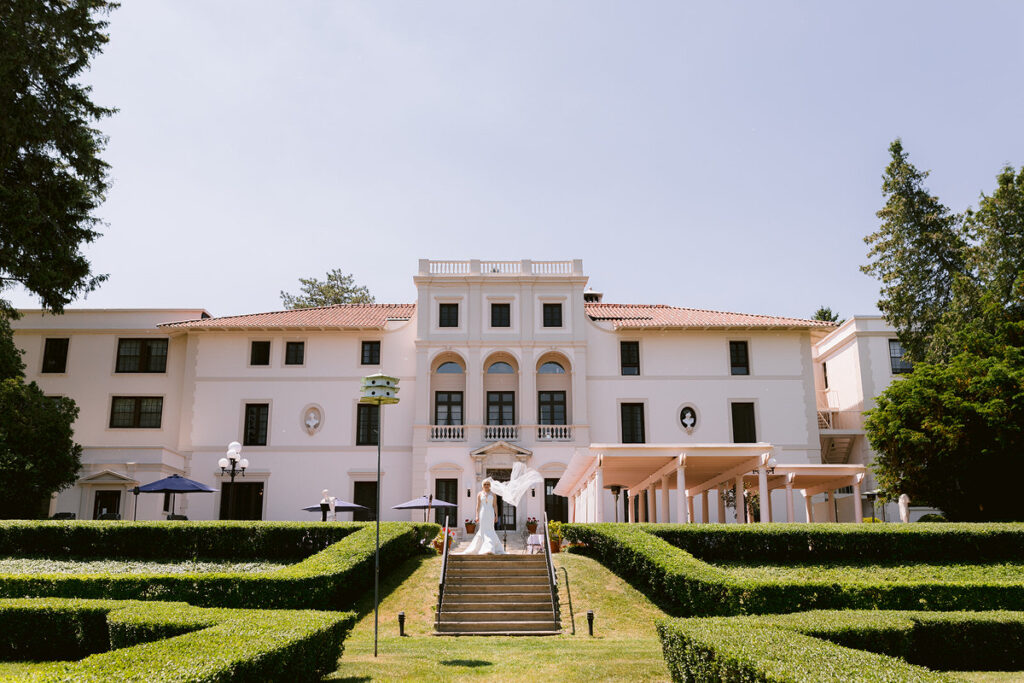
278, 541
842, 646
177, 642
332, 579
789, 543
689, 587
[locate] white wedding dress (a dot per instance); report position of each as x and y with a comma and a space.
485, 541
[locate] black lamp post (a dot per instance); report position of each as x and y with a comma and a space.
232, 465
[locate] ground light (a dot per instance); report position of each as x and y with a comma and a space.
378, 389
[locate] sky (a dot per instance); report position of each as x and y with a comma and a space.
723, 155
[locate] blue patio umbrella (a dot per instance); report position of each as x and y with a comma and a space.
339, 506
424, 503
173, 484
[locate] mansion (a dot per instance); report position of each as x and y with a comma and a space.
627, 410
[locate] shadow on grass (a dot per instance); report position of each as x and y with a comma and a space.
466, 662
669, 607
389, 581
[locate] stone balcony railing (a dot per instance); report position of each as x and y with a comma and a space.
500, 268
501, 432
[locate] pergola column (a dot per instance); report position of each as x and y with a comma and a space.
643, 505
652, 508
858, 505
721, 504
598, 492
832, 505
666, 517
681, 512
764, 494
572, 507
790, 512
689, 509
741, 506
704, 507
809, 507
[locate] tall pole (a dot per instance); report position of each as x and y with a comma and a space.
376, 548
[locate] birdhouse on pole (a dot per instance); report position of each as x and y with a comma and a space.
379, 389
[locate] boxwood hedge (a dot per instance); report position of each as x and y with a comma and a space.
331, 579
842, 646
139, 641
688, 586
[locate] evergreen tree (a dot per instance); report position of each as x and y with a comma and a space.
337, 288
825, 313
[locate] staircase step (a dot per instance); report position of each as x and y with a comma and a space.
496, 558
536, 615
485, 626
497, 589
498, 633
501, 571
490, 605
496, 580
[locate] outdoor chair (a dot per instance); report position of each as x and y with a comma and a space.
179, 518
109, 516
64, 515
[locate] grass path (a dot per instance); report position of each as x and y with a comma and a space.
625, 645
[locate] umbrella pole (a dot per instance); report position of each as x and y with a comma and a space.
376, 550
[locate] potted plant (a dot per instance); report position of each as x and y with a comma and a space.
440, 539
555, 536
531, 525
470, 527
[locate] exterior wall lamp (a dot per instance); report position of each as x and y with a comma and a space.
233, 464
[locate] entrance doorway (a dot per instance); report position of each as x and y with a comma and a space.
106, 503
556, 507
506, 513
364, 493
448, 491
241, 500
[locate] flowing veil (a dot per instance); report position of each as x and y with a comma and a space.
513, 490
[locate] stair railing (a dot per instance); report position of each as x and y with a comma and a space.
444, 572
552, 576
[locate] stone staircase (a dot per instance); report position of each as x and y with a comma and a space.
496, 595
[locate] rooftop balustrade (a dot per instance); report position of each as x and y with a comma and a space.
501, 268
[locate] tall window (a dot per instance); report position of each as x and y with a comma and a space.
294, 353
367, 424
448, 491
257, 420
136, 412
365, 493
259, 353
739, 358
448, 408
370, 353
824, 374
551, 407
633, 423
501, 407
55, 355
141, 355
896, 362
629, 356
552, 315
501, 315
448, 315
557, 507
743, 428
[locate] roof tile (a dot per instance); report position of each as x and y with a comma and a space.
341, 315
660, 316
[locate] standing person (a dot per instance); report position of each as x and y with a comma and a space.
486, 541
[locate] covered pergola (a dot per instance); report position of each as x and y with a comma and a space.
693, 471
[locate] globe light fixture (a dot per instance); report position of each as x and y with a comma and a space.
233, 464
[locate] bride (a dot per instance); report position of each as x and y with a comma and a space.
486, 541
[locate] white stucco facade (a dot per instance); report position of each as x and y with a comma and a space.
512, 402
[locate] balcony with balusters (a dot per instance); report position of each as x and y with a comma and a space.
511, 433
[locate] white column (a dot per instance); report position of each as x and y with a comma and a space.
809, 507
764, 494
832, 505
681, 495
704, 507
689, 509
741, 508
642, 517
858, 506
790, 512
572, 507
599, 495
665, 516
721, 504
653, 503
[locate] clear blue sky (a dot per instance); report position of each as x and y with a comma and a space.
722, 155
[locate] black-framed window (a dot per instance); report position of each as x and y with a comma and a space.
629, 357
257, 423
448, 491
556, 507
136, 412
370, 353
364, 493
824, 374
739, 358
633, 423
448, 407
501, 315
744, 429
552, 315
294, 353
367, 424
501, 407
448, 315
551, 408
55, 355
141, 355
897, 363
259, 353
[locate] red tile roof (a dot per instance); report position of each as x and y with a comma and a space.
659, 316
342, 315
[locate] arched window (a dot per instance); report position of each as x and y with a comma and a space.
551, 368
501, 368
449, 368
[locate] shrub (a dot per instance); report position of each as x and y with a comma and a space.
842, 646
685, 585
177, 642
331, 579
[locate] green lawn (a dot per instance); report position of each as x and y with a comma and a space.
991, 676
625, 645
35, 565
1000, 572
